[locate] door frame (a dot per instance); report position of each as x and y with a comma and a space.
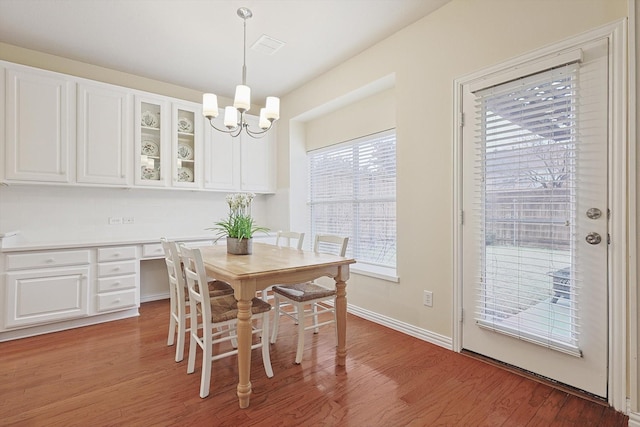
621, 177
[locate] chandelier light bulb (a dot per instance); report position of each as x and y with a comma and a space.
230, 117
242, 100
210, 105
264, 123
272, 110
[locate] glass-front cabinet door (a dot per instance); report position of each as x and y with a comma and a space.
152, 142
186, 145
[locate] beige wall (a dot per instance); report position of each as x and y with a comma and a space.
461, 37
59, 64
353, 121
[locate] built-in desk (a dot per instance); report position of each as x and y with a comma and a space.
47, 287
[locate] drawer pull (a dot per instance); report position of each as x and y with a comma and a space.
116, 301
116, 269
116, 283
50, 260
117, 254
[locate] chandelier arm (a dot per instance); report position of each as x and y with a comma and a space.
257, 134
229, 131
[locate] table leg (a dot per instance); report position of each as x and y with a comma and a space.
244, 352
341, 319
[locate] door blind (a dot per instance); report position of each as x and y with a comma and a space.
527, 137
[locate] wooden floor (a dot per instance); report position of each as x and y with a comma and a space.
123, 373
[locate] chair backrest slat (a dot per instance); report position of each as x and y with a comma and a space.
196, 278
283, 238
327, 243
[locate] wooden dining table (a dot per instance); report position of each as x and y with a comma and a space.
270, 265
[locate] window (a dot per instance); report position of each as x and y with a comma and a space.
352, 192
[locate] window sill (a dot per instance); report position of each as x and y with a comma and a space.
384, 273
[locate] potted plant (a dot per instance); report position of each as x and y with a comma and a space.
239, 226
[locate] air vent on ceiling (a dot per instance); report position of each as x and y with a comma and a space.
267, 45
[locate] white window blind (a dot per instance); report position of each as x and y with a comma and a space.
527, 137
352, 192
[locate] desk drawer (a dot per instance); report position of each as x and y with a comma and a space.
47, 259
117, 268
152, 250
108, 284
116, 253
116, 300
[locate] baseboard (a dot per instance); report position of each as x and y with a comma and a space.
67, 324
634, 419
414, 331
154, 297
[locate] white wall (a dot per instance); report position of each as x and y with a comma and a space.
461, 37
55, 214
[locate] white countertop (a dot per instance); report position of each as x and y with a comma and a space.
17, 244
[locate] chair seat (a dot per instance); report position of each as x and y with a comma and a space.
301, 292
225, 308
218, 288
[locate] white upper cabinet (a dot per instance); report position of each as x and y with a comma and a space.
257, 160
222, 158
242, 163
40, 126
186, 137
104, 134
68, 130
152, 142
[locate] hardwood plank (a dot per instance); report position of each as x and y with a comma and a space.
123, 373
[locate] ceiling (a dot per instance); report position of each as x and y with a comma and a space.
198, 43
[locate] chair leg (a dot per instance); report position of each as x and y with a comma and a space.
172, 331
264, 339
300, 308
276, 318
207, 355
172, 323
180, 341
315, 318
193, 346
233, 333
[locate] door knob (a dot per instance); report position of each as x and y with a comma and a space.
594, 213
593, 238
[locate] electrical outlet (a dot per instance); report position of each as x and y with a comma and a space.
113, 220
428, 298
127, 220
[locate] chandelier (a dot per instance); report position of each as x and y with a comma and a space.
233, 123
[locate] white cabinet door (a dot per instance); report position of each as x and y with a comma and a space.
222, 158
186, 138
104, 134
40, 126
46, 295
258, 161
152, 124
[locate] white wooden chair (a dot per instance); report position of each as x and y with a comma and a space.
218, 317
178, 296
310, 294
291, 239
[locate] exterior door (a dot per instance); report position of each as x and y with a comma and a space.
535, 217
